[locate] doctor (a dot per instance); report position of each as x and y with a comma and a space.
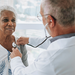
59, 59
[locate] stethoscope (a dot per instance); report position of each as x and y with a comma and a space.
46, 37
14, 44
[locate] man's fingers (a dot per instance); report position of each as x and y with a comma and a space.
14, 49
20, 38
15, 52
20, 43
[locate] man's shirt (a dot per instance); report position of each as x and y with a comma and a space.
58, 59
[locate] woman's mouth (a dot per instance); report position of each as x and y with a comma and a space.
9, 29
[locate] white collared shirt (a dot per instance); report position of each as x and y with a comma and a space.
58, 59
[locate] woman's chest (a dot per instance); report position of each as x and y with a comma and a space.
8, 45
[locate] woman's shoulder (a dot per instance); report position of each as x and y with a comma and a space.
14, 38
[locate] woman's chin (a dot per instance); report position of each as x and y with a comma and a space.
9, 33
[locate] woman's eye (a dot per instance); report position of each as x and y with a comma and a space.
13, 20
5, 20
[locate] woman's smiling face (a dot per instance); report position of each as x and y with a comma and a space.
7, 22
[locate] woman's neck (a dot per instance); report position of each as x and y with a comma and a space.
6, 42
5, 38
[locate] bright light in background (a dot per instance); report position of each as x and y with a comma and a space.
27, 10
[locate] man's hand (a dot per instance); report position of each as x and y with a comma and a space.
15, 52
22, 41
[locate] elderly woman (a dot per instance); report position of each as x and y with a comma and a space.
7, 27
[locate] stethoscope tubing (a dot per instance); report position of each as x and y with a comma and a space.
39, 43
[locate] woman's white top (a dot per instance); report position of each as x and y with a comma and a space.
58, 59
5, 68
4, 61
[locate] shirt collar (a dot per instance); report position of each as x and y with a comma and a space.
62, 36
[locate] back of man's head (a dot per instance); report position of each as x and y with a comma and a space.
62, 10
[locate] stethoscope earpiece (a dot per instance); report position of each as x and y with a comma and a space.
50, 20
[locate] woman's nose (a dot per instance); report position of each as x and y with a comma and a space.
10, 23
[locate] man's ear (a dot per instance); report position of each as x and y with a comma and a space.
51, 21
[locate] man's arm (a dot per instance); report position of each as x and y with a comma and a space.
37, 41
34, 42
41, 66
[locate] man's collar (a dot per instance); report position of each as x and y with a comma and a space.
62, 36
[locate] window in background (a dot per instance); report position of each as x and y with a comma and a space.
6, 2
27, 10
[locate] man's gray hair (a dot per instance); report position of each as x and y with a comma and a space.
62, 10
7, 8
